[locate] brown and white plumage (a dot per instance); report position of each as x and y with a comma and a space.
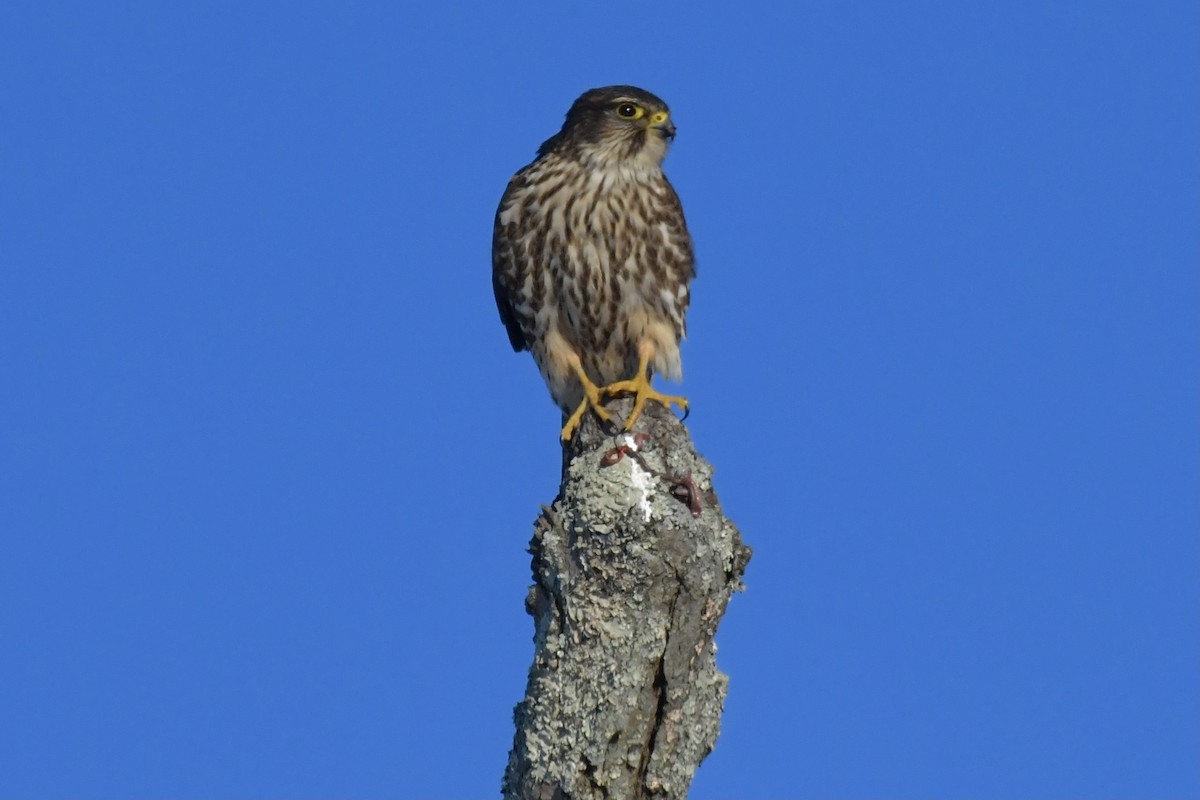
591, 257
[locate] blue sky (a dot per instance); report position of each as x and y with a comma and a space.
268, 466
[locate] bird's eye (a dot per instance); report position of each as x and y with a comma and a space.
630, 110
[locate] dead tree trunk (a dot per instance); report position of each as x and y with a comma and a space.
633, 567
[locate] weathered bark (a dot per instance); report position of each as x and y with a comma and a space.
633, 567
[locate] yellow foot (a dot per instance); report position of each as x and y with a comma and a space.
592, 399
641, 389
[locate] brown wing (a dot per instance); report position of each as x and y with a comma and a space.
681, 270
507, 275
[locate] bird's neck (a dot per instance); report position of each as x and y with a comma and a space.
616, 171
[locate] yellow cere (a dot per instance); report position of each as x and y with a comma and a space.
659, 117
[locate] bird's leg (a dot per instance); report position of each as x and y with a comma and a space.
640, 387
592, 397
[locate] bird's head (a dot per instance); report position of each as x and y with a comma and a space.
616, 125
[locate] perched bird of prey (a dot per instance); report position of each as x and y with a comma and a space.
591, 257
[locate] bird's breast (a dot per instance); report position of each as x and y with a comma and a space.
608, 259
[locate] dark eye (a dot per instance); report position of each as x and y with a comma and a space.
628, 111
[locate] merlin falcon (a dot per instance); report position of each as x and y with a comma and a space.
591, 257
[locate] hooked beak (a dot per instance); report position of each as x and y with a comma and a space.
665, 129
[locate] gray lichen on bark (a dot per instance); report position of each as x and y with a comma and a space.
633, 566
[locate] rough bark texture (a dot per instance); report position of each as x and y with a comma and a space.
633, 567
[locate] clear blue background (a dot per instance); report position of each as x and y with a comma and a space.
269, 468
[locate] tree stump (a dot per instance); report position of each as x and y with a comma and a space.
633, 567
